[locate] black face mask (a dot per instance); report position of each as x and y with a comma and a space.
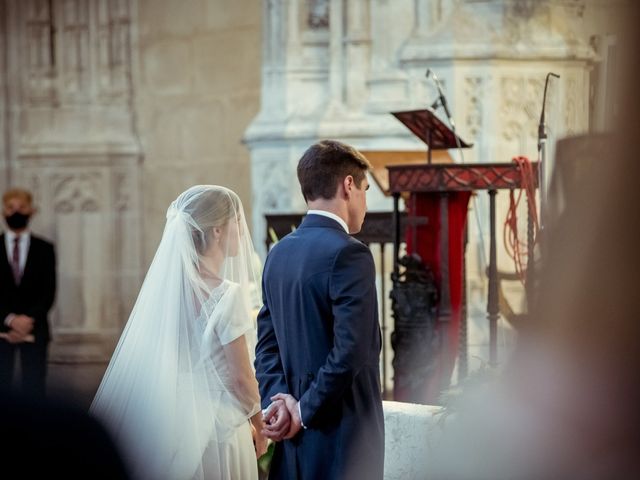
17, 220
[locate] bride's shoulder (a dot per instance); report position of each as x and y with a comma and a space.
229, 290
229, 286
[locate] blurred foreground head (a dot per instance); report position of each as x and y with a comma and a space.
53, 439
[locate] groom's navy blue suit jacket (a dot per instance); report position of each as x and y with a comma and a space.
319, 340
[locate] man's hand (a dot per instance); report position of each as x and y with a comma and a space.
277, 422
22, 325
14, 337
292, 406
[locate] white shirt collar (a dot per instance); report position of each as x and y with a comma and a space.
333, 216
11, 235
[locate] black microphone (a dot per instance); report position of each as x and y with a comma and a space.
442, 99
541, 133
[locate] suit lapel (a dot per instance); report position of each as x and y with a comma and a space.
28, 265
5, 268
3, 251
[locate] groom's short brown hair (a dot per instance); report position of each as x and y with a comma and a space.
325, 164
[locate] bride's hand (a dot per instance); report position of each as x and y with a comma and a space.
259, 442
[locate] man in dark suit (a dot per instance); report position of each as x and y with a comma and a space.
27, 291
319, 339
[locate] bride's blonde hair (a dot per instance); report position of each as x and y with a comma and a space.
213, 208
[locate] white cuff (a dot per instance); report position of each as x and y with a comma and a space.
300, 415
8, 319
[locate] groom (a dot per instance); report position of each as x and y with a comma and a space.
318, 334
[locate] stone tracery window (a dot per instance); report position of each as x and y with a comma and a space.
39, 29
77, 51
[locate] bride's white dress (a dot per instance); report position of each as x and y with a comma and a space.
178, 418
234, 457
167, 397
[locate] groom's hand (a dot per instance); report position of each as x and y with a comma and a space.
294, 413
277, 422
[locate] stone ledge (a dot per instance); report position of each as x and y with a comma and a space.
407, 434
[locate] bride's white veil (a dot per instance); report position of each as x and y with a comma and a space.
166, 393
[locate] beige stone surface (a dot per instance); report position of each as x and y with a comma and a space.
199, 87
166, 66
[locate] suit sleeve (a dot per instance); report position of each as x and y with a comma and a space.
4, 312
269, 371
4, 305
43, 301
353, 295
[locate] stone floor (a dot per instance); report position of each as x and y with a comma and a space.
76, 383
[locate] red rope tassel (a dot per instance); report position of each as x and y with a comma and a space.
516, 248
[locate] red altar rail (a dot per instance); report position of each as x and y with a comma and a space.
456, 177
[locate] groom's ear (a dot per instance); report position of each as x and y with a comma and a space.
347, 185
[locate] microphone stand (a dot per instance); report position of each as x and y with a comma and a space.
442, 101
542, 164
542, 152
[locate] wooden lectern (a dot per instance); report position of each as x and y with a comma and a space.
430, 316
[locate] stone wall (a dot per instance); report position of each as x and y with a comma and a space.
197, 89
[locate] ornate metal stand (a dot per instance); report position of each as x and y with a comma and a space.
415, 338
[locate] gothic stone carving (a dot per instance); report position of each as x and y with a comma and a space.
520, 106
318, 17
474, 93
77, 192
40, 59
63, 62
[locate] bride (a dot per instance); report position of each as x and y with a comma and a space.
180, 396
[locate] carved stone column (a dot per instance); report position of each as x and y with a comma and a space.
316, 73
357, 52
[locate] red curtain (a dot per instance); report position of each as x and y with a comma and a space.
428, 247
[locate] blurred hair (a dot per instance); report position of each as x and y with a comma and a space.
17, 193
